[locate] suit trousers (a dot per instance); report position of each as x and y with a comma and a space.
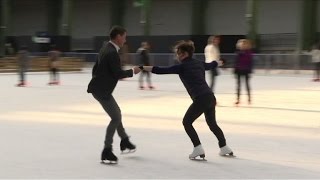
111, 107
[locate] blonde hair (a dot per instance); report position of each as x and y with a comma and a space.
244, 44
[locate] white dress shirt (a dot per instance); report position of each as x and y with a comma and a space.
116, 46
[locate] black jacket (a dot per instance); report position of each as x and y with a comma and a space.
144, 56
107, 71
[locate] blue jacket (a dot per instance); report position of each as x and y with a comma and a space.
192, 75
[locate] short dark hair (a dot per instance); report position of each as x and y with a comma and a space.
115, 30
185, 46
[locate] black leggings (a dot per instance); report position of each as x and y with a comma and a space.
247, 77
203, 104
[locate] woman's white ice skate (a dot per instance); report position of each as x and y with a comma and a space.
197, 152
226, 151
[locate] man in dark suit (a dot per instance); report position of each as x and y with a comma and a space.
105, 75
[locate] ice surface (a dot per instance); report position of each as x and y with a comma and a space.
58, 131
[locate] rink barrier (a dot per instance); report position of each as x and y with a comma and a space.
72, 61
41, 63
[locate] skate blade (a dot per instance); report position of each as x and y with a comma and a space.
108, 162
198, 158
230, 155
128, 151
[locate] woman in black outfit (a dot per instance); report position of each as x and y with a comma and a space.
192, 75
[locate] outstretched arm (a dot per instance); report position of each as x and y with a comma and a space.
162, 70
212, 65
146, 68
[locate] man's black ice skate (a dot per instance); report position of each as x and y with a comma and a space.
126, 146
107, 156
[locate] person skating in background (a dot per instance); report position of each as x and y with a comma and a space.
105, 75
315, 58
54, 55
23, 58
212, 53
192, 75
124, 57
243, 67
144, 57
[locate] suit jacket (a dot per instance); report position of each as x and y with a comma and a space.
107, 71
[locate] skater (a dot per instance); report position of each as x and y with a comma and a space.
54, 56
23, 62
212, 53
243, 67
192, 75
105, 75
143, 52
315, 56
124, 57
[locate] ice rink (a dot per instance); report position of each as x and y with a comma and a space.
57, 132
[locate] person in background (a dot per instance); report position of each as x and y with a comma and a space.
243, 67
23, 58
212, 53
124, 57
315, 58
144, 57
54, 55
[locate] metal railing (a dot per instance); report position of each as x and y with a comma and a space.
261, 61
